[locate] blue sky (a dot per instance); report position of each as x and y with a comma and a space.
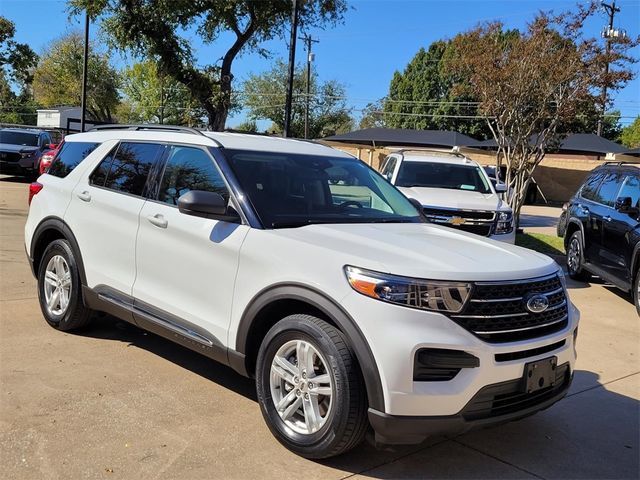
377, 38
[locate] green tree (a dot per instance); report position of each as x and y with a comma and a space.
154, 29
16, 73
57, 79
264, 97
153, 97
373, 115
421, 96
630, 135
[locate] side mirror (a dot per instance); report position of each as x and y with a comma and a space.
206, 205
500, 187
623, 205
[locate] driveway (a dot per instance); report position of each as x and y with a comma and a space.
115, 402
539, 219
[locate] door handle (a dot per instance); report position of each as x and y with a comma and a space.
158, 220
84, 196
584, 209
608, 218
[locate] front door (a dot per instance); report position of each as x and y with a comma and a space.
186, 265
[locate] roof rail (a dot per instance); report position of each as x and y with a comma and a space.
166, 128
620, 163
402, 151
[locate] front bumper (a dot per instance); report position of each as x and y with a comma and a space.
493, 405
507, 237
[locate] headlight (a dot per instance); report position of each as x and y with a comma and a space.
504, 222
409, 292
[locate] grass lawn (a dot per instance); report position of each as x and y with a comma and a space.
547, 244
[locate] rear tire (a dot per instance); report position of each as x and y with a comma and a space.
60, 288
575, 258
306, 421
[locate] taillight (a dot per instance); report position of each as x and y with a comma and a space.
45, 162
34, 189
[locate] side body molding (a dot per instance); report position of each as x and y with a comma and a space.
332, 310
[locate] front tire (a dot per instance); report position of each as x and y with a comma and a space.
575, 258
310, 388
60, 289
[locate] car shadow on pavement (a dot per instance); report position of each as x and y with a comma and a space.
528, 220
591, 433
9, 179
109, 328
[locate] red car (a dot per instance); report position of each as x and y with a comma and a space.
47, 157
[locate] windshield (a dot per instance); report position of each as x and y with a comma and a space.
19, 138
442, 175
290, 190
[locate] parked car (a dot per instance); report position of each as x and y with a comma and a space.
453, 190
21, 149
603, 227
47, 157
301, 266
495, 177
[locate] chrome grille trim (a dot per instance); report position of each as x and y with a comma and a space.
524, 329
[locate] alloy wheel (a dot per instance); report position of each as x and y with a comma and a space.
57, 285
301, 386
574, 255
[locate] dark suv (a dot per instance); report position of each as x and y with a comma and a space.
603, 227
21, 149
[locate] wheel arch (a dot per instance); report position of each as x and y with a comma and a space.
276, 302
48, 230
574, 225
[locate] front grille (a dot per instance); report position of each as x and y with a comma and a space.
479, 222
11, 157
532, 352
510, 397
497, 312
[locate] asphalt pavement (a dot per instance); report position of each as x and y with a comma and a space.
115, 402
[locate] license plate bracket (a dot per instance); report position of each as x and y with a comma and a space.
540, 374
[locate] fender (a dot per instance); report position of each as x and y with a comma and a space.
56, 223
330, 308
635, 258
575, 221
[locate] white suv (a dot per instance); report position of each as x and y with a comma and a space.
299, 265
453, 190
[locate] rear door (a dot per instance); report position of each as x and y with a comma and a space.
616, 246
590, 213
186, 265
104, 213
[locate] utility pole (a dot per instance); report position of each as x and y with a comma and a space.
609, 33
292, 66
310, 57
83, 106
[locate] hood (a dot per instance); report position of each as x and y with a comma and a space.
9, 147
449, 198
421, 250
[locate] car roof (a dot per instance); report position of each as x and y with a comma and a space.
230, 140
32, 131
432, 157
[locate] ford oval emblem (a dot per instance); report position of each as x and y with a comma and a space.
537, 303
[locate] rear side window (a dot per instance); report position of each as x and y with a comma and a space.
590, 187
189, 168
131, 166
69, 157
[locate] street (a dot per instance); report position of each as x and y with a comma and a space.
116, 402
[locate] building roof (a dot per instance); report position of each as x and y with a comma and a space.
404, 137
635, 152
590, 142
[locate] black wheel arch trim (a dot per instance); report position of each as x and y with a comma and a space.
333, 311
567, 238
635, 259
56, 223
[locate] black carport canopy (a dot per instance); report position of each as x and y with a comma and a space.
381, 137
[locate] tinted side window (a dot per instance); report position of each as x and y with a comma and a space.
590, 187
631, 188
608, 191
99, 175
188, 169
69, 157
131, 166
